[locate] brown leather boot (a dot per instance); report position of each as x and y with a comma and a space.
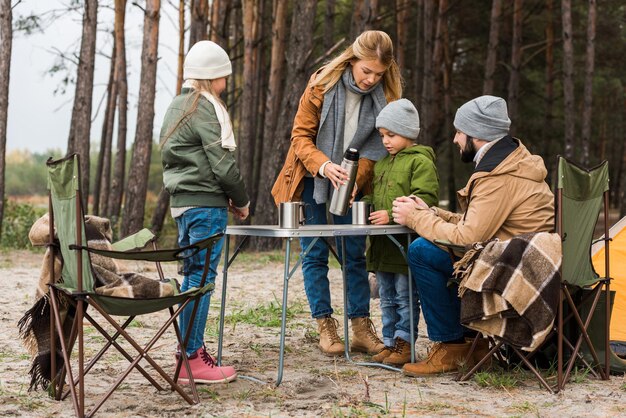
378, 358
442, 358
401, 353
330, 343
364, 338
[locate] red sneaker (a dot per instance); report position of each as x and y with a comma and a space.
204, 369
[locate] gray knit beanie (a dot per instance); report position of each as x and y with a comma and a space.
484, 117
206, 60
400, 117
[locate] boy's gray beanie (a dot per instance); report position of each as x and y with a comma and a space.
484, 117
400, 117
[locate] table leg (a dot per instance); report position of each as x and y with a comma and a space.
220, 337
283, 322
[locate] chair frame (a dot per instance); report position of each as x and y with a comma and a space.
81, 299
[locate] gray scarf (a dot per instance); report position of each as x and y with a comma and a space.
332, 120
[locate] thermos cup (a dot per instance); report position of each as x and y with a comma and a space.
291, 215
340, 198
361, 213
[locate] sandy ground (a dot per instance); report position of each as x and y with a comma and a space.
313, 385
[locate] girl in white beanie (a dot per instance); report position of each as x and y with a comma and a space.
201, 175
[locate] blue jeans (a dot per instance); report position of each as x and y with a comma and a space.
395, 307
315, 264
431, 268
195, 225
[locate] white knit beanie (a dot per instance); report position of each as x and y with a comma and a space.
206, 60
484, 117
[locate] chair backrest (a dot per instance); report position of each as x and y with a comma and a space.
580, 195
66, 215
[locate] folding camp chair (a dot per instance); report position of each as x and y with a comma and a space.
76, 290
580, 194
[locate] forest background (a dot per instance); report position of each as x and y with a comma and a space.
559, 65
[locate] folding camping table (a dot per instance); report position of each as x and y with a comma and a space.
319, 232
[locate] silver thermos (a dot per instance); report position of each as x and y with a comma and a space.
340, 199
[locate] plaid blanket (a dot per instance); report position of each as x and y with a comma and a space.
512, 288
111, 277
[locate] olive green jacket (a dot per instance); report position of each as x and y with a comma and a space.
197, 171
411, 171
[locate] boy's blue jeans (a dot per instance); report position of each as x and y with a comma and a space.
431, 268
395, 306
315, 264
195, 225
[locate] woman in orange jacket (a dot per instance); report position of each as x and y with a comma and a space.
338, 111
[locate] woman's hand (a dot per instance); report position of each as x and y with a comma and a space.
380, 217
336, 174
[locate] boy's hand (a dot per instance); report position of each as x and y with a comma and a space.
380, 217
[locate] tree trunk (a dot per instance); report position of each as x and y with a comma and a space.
588, 92
103, 179
429, 77
219, 21
329, 24
248, 97
418, 70
80, 125
199, 21
276, 146
6, 44
447, 123
114, 204
160, 211
364, 17
492, 48
181, 45
516, 62
402, 33
568, 77
549, 89
135, 200
265, 212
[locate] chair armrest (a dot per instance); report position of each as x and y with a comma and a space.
457, 248
135, 241
173, 254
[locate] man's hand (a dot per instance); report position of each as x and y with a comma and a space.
380, 217
336, 174
403, 206
420, 203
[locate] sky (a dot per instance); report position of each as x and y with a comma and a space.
39, 119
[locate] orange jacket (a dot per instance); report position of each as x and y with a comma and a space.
303, 154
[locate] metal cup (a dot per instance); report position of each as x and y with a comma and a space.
361, 213
291, 215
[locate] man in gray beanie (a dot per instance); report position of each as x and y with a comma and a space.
506, 196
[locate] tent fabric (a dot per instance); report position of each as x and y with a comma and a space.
617, 271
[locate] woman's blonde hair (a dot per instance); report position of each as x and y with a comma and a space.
191, 103
370, 45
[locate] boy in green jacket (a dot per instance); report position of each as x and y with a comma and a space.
409, 169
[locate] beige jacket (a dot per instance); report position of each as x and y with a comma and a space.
511, 199
304, 156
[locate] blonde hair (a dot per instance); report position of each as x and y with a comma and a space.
370, 45
199, 87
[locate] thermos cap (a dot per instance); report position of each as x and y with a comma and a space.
352, 154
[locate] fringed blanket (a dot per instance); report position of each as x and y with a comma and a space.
512, 288
111, 278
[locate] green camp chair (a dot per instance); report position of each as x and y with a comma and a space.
74, 291
580, 195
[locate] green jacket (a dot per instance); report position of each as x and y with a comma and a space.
411, 171
197, 171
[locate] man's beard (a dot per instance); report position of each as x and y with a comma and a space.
469, 151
